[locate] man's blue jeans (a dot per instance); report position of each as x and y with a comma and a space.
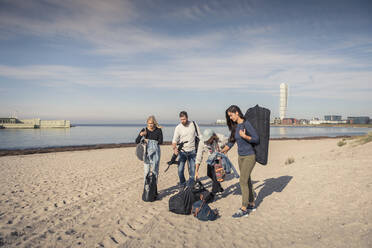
183, 157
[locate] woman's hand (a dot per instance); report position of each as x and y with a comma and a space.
196, 175
225, 149
243, 135
143, 133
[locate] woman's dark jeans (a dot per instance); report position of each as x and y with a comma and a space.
216, 185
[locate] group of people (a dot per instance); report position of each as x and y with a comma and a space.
242, 133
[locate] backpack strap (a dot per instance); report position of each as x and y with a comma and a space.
197, 210
196, 130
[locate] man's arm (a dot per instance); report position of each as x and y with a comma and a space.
197, 171
175, 140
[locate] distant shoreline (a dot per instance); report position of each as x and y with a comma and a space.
221, 125
218, 125
27, 151
325, 125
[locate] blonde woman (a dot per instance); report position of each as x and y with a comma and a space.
153, 137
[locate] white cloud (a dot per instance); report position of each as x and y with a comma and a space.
253, 71
202, 11
110, 27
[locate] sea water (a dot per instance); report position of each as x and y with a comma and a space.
127, 133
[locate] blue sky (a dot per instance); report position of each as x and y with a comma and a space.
117, 61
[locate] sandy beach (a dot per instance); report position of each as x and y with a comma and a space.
93, 199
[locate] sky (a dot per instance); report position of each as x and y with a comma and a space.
94, 61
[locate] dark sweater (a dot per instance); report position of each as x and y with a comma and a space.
245, 147
157, 135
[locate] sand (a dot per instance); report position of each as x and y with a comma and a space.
93, 199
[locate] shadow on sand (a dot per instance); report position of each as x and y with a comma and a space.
268, 187
206, 181
174, 189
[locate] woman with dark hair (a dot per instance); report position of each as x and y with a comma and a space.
244, 135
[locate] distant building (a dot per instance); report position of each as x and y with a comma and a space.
303, 122
358, 120
13, 122
283, 100
10, 120
277, 120
33, 123
221, 122
332, 117
316, 121
289, 121
334, 122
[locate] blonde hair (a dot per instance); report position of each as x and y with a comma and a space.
152, 118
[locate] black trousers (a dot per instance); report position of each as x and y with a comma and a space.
216, 186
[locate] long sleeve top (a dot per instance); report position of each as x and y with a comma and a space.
245, 147
186, 133
157, 135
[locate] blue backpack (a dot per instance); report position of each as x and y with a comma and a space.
202, 211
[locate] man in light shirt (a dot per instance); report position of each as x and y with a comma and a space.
185, 132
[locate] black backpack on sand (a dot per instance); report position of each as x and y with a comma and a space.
181, 203
259, 118
150, 189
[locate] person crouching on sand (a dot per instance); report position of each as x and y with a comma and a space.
210, 143
153, 136
244, 135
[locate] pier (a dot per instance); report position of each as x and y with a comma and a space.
15, 123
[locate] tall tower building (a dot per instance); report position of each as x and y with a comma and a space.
283, 100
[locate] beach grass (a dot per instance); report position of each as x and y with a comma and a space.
341, 142
364, 139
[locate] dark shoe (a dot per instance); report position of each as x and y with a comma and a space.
251, 208
240, 213
219, 191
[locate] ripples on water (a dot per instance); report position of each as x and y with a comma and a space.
108, 134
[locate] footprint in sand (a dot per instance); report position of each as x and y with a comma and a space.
70, 232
